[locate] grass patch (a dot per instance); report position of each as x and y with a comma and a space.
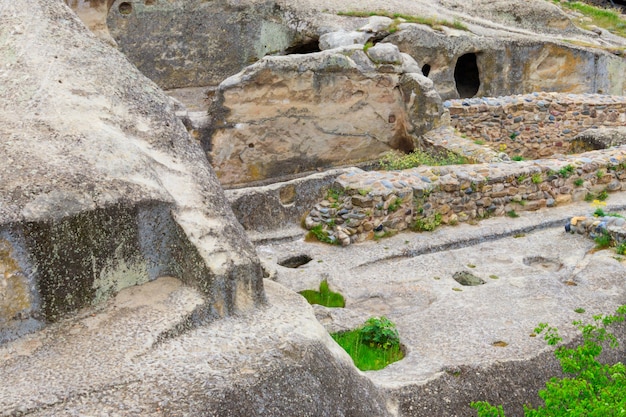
517, 158
512, 214
603, 241
427, 224
324, 297
373, 346
318, 233
396, 161
605, 18
436, 24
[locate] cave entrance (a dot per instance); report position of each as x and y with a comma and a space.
466, 76
308, 47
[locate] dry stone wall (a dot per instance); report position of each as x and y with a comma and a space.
366, 205
535, 125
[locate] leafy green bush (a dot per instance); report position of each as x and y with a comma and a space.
324, 296
593, 389
373, 346
380, 331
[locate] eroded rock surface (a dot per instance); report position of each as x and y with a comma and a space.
285, 115
102, 187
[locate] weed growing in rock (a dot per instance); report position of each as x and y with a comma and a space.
578, 182
603, 241
536, 178
579, 310
521, 178
517, 158
591, 389
427, 224
318, 232
324, 296
603, 195
566, 171
399, 17
604, 18
512, 214
395, 161
599, 174
621, 249
395, 205
373, 346
478, 141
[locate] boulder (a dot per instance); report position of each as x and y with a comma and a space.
102, 187
291, 114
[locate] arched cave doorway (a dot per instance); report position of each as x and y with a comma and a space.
466, 76
426, 70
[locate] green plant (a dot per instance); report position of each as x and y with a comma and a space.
589, 197
479, 142
596, 16
372, 346
493, 277
381, 332
513, 135
395, 205
521, 178
591, 389
517, 158
318, 232
429, 21
599, 174
536, 178
578, 182
366, 356
367, 46
603, 241
621, 249
364, 191
579, 310
599, 212
512, 214
566, 171
324, 296
396, 161
603, 195
427, 224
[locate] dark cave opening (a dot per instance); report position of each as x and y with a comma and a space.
426, 70
466, 76
308, 47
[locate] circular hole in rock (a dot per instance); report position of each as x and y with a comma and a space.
125, 8
295, 261
540, 262
467, 279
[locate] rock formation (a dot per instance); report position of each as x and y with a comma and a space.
102, 187
286, 115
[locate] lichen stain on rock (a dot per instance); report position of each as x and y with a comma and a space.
15, 296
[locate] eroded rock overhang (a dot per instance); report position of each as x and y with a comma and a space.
102, 187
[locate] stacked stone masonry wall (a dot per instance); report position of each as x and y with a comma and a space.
536, 125
366, 205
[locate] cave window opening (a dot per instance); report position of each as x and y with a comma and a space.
466, 76
309, 47
125, 8
426, 70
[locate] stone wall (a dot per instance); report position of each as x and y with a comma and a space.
535, 125
367, 205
